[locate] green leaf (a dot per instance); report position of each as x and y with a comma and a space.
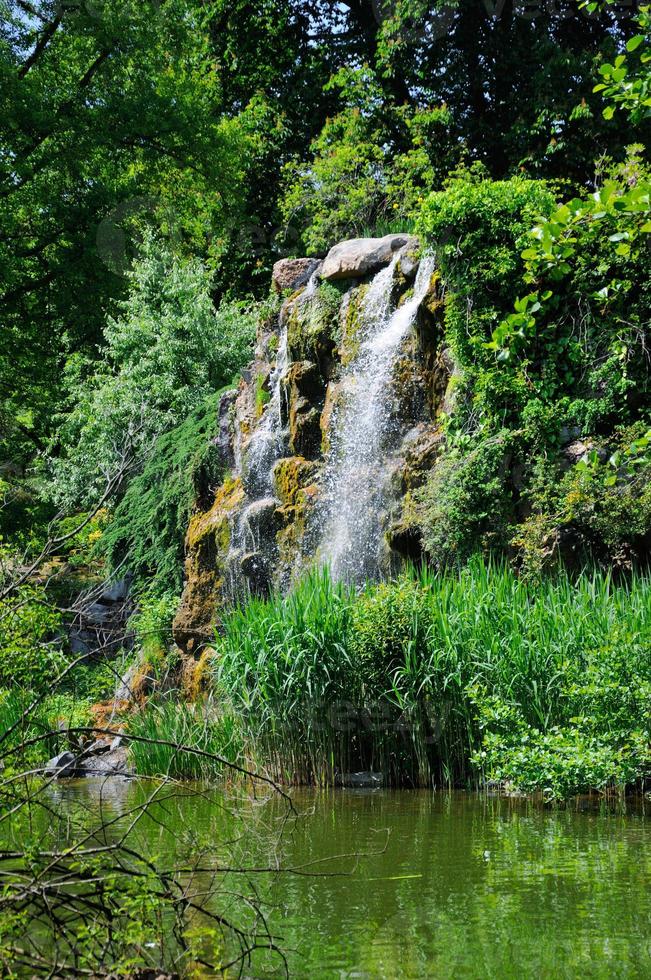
634, 42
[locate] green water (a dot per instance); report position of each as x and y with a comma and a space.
421, 884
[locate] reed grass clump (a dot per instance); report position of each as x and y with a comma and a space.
187, 727
453, 677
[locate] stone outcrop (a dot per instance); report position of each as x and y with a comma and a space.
262, 526
360, 256
207, 547
104, 757
293, 273
99, 627
304, 391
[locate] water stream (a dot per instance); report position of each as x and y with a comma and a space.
365, 432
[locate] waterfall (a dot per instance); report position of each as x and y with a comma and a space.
365, 433
252, 540
266, 442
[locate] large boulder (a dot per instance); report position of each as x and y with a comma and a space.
359, 256
292, 273
64, 764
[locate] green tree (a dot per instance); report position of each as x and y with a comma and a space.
110, 113
166, 351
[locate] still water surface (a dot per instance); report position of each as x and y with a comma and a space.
443, 885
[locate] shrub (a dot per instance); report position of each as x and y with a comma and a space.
30, 640
467, 503
149, 523
478, 229
597, 510
371, 165
546, 312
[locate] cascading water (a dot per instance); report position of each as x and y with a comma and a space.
365, 433
255, 462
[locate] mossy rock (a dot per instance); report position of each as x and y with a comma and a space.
313, 325
305, 392
420, 455
336, 394
207, 543
351, 324
228, 498
292, 540
290, 475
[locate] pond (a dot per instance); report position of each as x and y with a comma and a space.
419, 884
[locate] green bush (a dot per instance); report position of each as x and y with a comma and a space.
165, 354
467, 504
477, 228
148, 525
546, 311
152, 623
31, 653
370, 167
596, 510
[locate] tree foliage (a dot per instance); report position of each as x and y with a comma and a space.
166, 352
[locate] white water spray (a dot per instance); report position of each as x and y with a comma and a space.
364, 433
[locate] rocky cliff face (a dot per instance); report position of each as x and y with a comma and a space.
332, 427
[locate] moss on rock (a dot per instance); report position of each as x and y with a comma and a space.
313, 325
351, 324
207, 543
290, 475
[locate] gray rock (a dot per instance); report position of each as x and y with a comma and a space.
99, 628
259, 518
64, 764
293, 273
359, 256
409, 259
255, 567
113, 763
361, 780
124, 689
224, 438
116, 591
97, 748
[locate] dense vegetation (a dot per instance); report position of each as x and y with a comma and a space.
471, 676
156, 159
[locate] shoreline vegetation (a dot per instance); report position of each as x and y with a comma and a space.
461, 679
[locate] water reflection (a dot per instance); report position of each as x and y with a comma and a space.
419, 884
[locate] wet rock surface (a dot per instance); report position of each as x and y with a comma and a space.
102, 758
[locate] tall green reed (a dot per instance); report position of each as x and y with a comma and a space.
397, 676
188, 726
